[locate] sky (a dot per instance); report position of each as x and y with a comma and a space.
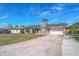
33, 13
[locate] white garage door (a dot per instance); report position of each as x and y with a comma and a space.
57, 32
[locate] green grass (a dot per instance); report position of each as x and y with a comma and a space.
14, 38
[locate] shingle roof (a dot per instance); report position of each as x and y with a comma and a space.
38, 26
60, 24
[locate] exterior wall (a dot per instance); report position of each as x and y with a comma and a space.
77, 29
38, 31
59, 30
44, 31
15, 31
30, 30
56, 28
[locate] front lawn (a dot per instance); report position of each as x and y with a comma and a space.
14, 38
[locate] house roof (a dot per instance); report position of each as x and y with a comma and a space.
60, 24
38, 26
49, 25
16, 28
77, 26
35, 26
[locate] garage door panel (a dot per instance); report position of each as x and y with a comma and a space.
57, 32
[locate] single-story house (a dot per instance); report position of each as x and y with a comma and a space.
5, 29
15, 30
46, 29
50, 29
20, 30
55, 29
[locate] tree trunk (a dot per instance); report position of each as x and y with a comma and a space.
24, 31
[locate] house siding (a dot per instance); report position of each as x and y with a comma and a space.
15, 31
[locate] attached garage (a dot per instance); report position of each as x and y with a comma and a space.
56, 32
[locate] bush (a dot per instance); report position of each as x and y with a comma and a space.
76, 38
22, 30
76, 32
33, 30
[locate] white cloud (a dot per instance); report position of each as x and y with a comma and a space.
3, 17
57, 8
45, 12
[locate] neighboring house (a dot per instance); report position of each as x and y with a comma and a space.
15, 30
36, 27
77, 27
4, 31
20, 29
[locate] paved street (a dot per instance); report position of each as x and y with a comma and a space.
43, 46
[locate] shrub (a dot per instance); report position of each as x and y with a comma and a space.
76, 32
33, 30
76, 38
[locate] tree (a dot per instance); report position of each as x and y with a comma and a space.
24, 30
22, 26
7, 26
76, 24
17, 26
44, 23
72, 29
33, 30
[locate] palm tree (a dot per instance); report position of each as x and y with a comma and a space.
23, 30
44, 26
72, 29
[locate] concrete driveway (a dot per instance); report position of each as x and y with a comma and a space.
43, 46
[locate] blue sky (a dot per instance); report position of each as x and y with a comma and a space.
32, 13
